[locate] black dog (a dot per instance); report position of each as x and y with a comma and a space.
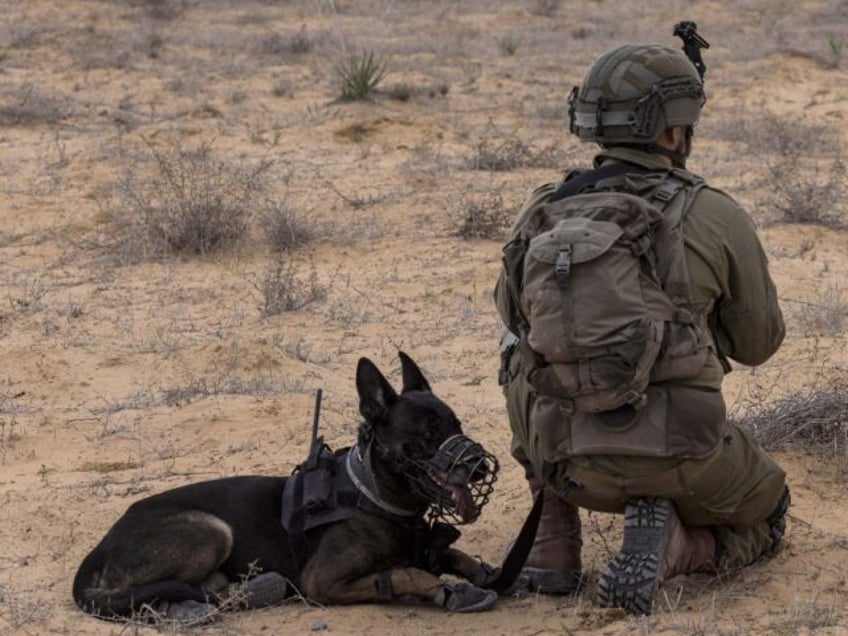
347, 527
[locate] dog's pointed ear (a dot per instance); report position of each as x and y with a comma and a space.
376, 395
413, 379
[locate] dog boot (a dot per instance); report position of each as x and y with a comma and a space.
264, 590
554, 565
461, 597
656, 547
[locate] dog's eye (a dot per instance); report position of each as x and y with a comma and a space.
413, 449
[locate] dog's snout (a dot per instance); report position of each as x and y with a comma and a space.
479, 471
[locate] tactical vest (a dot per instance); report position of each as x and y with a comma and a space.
323, 490
599, 296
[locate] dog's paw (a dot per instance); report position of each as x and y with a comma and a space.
485, 575
461, 597
265, 590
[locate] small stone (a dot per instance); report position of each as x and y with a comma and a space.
318, 626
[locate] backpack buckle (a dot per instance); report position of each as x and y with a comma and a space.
666, 191
562, 268
637, 400
641, 245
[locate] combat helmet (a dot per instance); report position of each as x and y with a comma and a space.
631, 94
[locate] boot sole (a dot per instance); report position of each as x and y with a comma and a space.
630, 580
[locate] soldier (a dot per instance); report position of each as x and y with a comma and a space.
698, 494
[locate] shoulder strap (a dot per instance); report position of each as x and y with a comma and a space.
665, 196
583, 180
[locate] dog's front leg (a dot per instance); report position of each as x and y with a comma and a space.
473, 570
383, 586
399, 582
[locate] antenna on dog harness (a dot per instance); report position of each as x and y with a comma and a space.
316, 414
692, 44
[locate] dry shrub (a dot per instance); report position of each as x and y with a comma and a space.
767, 133
511, 153
187, 202
162, 10
483, 217
94, 48
23, 611
28, 106
404, 91
815, 417
807, 192
828, 313
278, 44
835, 50
507, 44
805, 174
284, 228
288, 285
544, 8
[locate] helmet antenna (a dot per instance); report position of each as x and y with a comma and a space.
692, 44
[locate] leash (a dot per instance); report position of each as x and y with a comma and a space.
517, 556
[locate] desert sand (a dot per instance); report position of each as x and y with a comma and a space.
128, 366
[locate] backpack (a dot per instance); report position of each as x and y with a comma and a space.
598, 291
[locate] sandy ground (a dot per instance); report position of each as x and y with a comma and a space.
121, 376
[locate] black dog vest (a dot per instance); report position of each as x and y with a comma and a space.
327, 488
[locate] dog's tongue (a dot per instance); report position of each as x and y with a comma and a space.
464, 503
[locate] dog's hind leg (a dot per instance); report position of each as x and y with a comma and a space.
152, 555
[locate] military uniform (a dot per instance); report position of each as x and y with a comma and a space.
733, 486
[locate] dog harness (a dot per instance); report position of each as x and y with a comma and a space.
333, 486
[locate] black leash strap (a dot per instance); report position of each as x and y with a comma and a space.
517, 556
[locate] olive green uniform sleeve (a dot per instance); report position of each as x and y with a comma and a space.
730, 280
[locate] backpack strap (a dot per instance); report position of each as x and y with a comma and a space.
665, 196
581, 180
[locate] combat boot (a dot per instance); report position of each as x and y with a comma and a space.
656, 547
554, 565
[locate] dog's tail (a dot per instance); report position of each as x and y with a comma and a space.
94, 598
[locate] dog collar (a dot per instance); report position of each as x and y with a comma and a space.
362, 477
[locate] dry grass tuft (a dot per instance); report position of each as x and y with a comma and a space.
277, 44
28, 106
287, 285
404, 91
827, 314
484, 217
162, 10
815, 417
512, 153
545, 8
284, 228
805, 174
811, 193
